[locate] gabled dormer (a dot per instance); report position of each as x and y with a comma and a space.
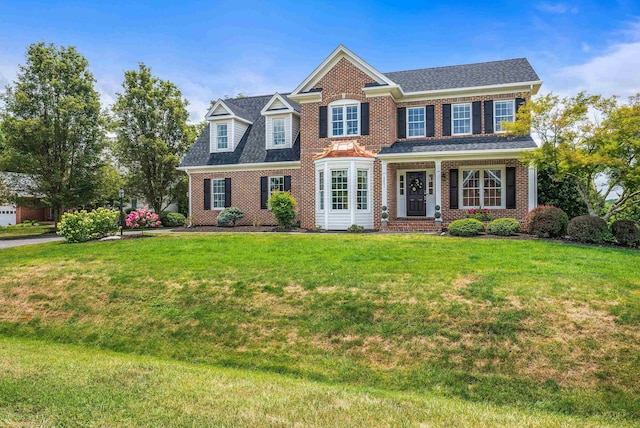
227, 125
282, 122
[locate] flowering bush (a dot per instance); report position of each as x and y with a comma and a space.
481, 214
142, 219
84, 226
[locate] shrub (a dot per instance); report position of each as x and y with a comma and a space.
466, 227
283, 206
588, 228
547, 221
354, 228
84, 226
481, 214
230, 215
503, 227
142, 218
627, 232
172, 219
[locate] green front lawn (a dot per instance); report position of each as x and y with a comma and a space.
537, 326
23, 231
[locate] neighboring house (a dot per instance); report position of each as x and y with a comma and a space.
350, 140
28, 206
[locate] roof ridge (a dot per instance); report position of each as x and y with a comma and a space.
255, 96
457, 65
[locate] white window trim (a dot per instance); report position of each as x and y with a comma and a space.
269, 181
343, 104
495, 118
424, 127
368, 209
321, 203
273, 132
213, 193
470, 119
481, 168
213, 136
347, 170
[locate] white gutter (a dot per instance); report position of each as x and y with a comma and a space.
240, 167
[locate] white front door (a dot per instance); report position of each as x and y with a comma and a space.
7, 215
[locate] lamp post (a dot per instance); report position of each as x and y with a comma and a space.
121, 194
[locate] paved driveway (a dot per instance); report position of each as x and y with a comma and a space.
29, 241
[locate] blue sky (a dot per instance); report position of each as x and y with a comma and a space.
217, 48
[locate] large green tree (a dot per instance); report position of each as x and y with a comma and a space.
592, 141
151, 124
53, 126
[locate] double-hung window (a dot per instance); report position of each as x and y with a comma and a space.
504, 112
221, 136
345, 119
276, 184
461, 119
278, 132
339, 190
321, 190
482, 187
217, 186
363, 189
415, 122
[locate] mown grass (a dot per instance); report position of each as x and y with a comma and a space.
24, 231
531, 324
65, 385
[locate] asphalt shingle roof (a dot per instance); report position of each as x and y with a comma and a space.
251, 148
492, 142
465, 76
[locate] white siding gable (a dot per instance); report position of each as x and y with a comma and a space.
220, 110
277, 105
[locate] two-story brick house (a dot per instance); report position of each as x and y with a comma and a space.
350, 140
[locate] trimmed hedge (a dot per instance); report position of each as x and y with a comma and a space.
588, 228
503, 227
230, 215
547, 221
170, 219
627, 232
466, 227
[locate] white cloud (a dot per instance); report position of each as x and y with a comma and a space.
556, 8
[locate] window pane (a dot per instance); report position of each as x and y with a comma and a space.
471, 188
363, 189
415, 120
504, 112
276, 184
218, 193
222, 136
461, 118
339, 190
321, 189
492, 190
352, 120
278, 132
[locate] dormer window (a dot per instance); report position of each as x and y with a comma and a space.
279, 133
221, 133
345, 118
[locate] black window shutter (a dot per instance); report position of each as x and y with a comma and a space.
323, 122
519, 102
227, 192
453, 189
446, 119
476, 117
264, 192
207, 193
402, 122
430, 121
511, 187
287, 183
364, 119
488, 117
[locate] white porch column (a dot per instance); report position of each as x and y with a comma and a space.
533, 187
438, 185
384, 184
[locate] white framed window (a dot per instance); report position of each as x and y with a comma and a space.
503, 111
415, 122
362, 192
321, 190
345, 118
483, 187
217, 188
276, 184
279, 134
461, 119
339, 189
221, 136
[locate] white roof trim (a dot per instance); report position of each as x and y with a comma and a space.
454, 154
280, 98
524, 86
338, 53
240, 167
231, 115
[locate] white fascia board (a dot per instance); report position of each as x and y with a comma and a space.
280, 98
277, 112
215, 106
307, 97
240, 167
338, 53
473, 91
454, 155
394, 91
230, 115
